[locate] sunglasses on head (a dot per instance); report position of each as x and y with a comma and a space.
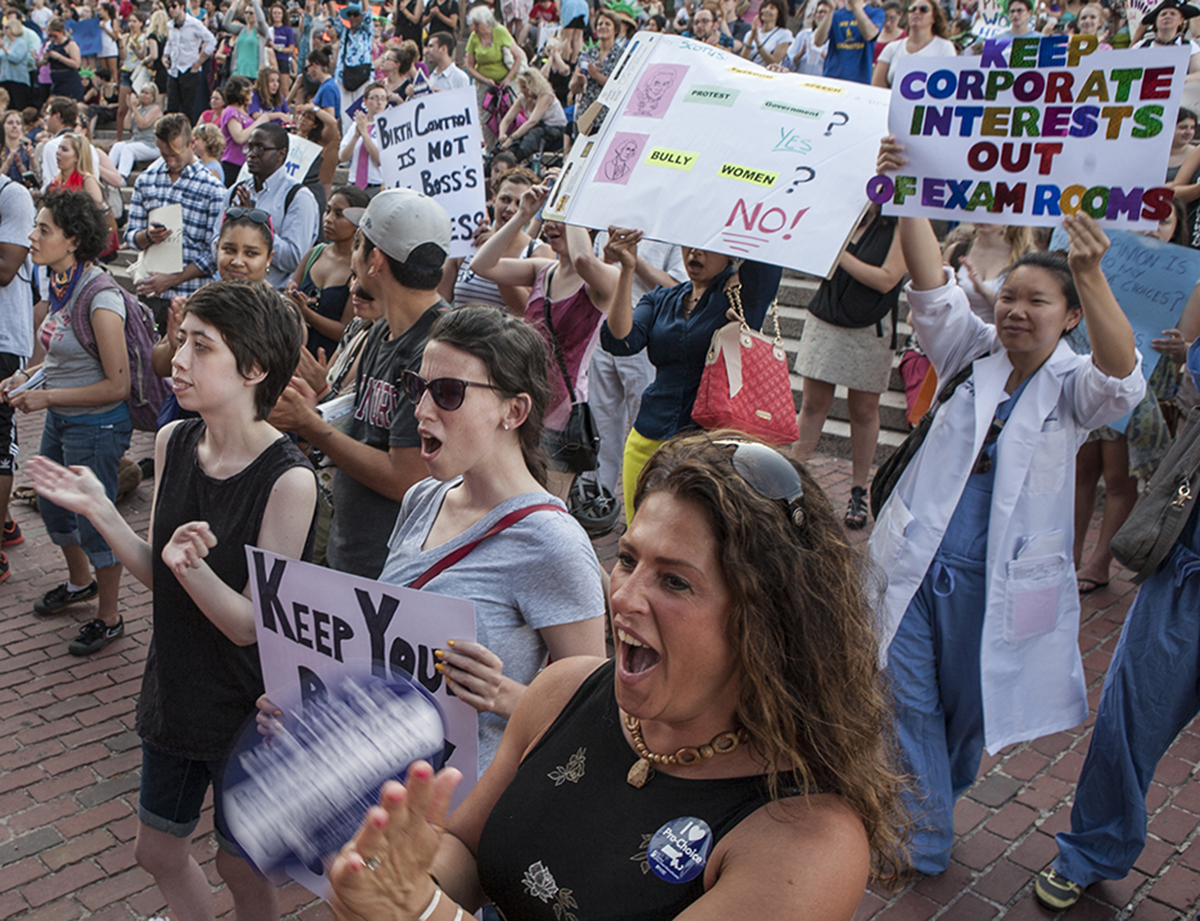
257, 215
769, 474
448, 392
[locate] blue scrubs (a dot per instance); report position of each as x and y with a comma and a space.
934, 673
1151, 692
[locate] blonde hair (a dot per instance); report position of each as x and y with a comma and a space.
159, 22
534, 80
210, 136
83, 154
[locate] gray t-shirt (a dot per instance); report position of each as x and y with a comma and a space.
68, 363
536, 573
16, 298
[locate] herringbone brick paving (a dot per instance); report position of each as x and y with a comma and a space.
69, 763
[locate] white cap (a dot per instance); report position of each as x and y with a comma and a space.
399, 220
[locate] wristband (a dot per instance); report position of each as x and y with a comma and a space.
433, 903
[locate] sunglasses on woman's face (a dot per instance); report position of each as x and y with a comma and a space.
448, 392
920, 9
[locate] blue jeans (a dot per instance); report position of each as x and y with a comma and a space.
95, 440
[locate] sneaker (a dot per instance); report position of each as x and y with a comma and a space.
94, 636
1055, 891
58, 598
4, 572
12, 535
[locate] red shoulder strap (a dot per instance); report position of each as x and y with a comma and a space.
451, 558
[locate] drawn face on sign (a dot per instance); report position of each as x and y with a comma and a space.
617, 165
656, 89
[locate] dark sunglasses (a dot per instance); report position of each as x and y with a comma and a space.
257, 215
447, 392
920, 9
769, 474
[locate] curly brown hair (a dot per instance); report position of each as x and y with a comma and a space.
811, 694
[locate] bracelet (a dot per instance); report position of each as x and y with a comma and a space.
459, 914
433, 903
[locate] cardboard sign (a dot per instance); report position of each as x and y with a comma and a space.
702, 148
301, 155
1035, 129
433, 144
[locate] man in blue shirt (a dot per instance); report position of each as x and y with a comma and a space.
328, 96
851, 33
292, 207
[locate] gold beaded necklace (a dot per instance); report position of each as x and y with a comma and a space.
642, 771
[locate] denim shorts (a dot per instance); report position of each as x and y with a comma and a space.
95, 440
172, 795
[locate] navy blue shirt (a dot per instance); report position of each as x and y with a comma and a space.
849, 56
677, 344
329, 95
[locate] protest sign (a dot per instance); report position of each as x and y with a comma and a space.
1152, 282
432, 144
301, 155
1027, 132
704, 149
317, 627
991, 18
86, 33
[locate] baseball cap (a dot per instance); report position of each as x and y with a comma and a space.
352, 10
399, 220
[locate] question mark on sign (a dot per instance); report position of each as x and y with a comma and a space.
836, 124
812, 174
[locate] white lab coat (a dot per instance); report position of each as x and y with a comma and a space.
1031, 672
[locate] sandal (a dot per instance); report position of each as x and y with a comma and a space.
856, 509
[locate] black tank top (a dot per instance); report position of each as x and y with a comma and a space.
199, 686
569, 837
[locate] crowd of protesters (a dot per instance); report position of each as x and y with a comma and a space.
299, 291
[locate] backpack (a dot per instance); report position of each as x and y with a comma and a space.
146, 389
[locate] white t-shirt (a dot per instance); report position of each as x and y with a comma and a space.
374, 171
16, 298
42, 17
893, 51
771, 42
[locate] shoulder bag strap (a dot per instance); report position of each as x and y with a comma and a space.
312, 259
81, 315
451, 558
562, 362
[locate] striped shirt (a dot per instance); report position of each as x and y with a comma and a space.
203, 200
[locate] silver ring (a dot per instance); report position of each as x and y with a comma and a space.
371, 863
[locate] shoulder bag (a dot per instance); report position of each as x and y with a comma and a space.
1152, 528
890, 471
581, 438
745, 384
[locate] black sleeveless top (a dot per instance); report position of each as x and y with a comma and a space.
199, 686
845, 301
570, 837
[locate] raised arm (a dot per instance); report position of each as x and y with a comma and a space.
918, 242
622, 250
602, 280
490, 261
1113, 349
1187, 189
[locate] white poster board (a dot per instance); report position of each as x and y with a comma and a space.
167, 256
316, 626
302, 153
702, 148
433, 144
1027, 132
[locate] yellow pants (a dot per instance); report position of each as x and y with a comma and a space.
638, 450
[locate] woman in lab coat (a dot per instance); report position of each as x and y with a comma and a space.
980, 617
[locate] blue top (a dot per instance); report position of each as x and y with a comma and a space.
328, 95
14, 63
677, 345
849, 57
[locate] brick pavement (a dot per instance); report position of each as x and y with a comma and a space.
69, 764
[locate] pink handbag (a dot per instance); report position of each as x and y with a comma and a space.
746, 385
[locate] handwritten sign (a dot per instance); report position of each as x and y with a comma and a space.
432, 144
1152, 281
86, 33
701, 148
1027, 132
302, 153
991, 18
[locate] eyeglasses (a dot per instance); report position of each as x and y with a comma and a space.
260, 148
769, 474
920, 9
257, 215
448, 392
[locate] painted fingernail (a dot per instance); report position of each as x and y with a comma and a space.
440, 653
279, 713
379, 821
449, 642
440, 667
